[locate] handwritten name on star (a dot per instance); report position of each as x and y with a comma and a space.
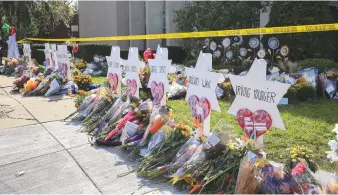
130, 68
266, 96
113, 64
196, 81
161, 70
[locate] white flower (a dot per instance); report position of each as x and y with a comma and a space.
333, 144
335, 129
240, 142
333, 155
274, 70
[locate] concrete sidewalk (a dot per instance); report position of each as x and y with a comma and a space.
40, 154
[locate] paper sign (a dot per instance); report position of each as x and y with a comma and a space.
204, 62
63, 62
158, 81
27, 51
48, 57
114, 70
284, 101
254, 92
212, 141
131, 67
28, 56
330, 89
54, 57
201, 93
128, 131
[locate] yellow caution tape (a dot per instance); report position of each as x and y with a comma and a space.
218, 33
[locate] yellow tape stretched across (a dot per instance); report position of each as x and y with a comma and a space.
218, 33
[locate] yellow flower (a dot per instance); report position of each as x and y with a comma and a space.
262, 162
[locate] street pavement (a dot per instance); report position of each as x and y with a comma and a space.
40, 154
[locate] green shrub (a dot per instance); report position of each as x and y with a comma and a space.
145, 94
305, 91
190, 63
229, 93
82, 81
81, 64
291, 94
320, 64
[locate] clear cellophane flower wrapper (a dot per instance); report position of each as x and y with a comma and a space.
159, 116
306, 180
154, 142
156, 139
183, 155
143, 109
246, 181
272, 179
88, 100
193, 163
111, 112
84, 113
120, 108
220, 135
84, 105
331, 186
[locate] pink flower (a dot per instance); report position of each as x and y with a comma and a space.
299, 169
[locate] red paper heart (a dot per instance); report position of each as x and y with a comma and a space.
131, 86
157, 91
260, 122
200, 108
113, 80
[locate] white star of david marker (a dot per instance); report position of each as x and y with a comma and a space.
254, 92
131, 67
115, 61
114, 66
202, 83
159, 68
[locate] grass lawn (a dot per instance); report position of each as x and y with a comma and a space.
99, 79
307, 124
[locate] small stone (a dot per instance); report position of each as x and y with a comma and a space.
18, 174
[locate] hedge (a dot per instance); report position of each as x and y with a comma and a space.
321, 64
87, 52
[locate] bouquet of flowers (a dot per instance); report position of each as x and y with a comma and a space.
302, 175
82, 81
183, 155
83, 101
164, 151
92, 120
117, 113
19, 83
41, 88
222, 171
31, 85
272, 180
159, 116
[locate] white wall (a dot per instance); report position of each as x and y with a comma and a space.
137, 22
154, 21
95, 19
172, 6
122, 26
104, 19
